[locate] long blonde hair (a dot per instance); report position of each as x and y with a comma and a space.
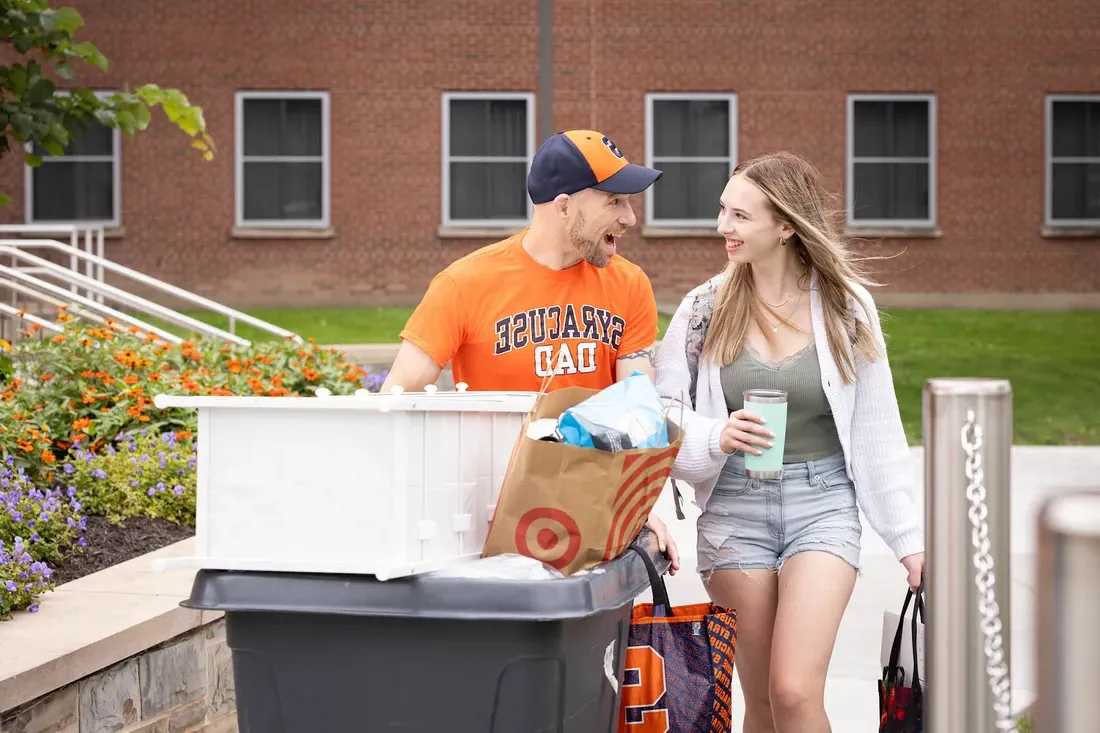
798, 197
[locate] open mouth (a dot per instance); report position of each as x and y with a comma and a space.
732, 245
610, 240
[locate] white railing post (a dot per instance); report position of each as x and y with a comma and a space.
962, 633
1067, 619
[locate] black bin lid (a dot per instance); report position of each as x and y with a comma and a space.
615, 584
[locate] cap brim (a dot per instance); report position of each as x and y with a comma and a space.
630, 179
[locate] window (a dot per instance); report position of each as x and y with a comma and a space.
488, 143
82, 185
891, 160
1073, 160
282, 159
693, 139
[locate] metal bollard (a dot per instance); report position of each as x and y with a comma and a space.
1067, 640
962, 637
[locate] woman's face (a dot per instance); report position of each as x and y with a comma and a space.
745, 219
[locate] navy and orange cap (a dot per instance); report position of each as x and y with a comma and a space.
578, 159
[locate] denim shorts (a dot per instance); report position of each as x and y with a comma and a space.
753, 523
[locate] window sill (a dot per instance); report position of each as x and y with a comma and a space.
1049, 232
894, 233
453, 232
660, 232
282, 233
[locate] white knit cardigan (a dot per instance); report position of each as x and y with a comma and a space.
876, 453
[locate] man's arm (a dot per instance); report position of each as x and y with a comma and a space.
433, 334
641, 360
412, 370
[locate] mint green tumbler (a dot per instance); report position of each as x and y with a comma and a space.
770, 404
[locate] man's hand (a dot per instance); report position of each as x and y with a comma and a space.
412, 370
665, 543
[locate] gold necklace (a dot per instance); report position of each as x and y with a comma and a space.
782, 321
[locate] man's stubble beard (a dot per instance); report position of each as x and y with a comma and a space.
589, 249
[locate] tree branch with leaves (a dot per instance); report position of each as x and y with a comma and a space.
35, 112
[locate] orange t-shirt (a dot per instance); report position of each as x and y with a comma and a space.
503, 321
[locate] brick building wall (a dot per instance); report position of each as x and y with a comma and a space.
387, 63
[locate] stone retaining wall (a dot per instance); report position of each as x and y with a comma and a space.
182, 686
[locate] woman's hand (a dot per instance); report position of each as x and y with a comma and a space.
744, 431
915, 565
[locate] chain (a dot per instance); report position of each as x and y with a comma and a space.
990, 612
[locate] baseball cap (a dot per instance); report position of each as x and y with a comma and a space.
573, 160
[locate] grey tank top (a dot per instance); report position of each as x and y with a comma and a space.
811, 432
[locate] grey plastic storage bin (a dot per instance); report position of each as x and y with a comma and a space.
328, 653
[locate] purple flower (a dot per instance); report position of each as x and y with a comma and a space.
178, 490
151, 492
99, 473
10, 586
33, 608
68, 468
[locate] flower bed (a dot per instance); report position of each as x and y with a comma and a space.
82, 445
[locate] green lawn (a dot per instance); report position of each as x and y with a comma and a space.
1052, 358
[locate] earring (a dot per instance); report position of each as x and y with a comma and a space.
782, 242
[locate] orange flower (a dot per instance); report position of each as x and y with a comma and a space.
130, 379
45, 377
183, 434
58, 338
88, 398
82, 424
25, 445
87, 374
47, 457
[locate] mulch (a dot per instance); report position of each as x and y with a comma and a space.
110, 544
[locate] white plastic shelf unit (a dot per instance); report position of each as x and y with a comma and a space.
388, 485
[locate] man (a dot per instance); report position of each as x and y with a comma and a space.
555, 298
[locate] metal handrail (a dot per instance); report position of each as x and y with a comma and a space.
89, 303
232, 314
118, 294
74, 232
11, 310
74, 308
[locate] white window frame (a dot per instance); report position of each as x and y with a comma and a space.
1050, 160
325, 160
116, 179
652, 162
849, 188
445, 183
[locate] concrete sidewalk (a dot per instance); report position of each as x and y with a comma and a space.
851, 693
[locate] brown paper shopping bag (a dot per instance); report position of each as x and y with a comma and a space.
572, 507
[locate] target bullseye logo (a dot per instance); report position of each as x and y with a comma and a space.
554, 532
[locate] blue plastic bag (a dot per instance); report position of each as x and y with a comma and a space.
628, 414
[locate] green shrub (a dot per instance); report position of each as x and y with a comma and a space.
22, 579
144, 474
48, 520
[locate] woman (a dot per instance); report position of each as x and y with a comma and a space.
789, 312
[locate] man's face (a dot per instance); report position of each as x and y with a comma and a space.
597, 222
